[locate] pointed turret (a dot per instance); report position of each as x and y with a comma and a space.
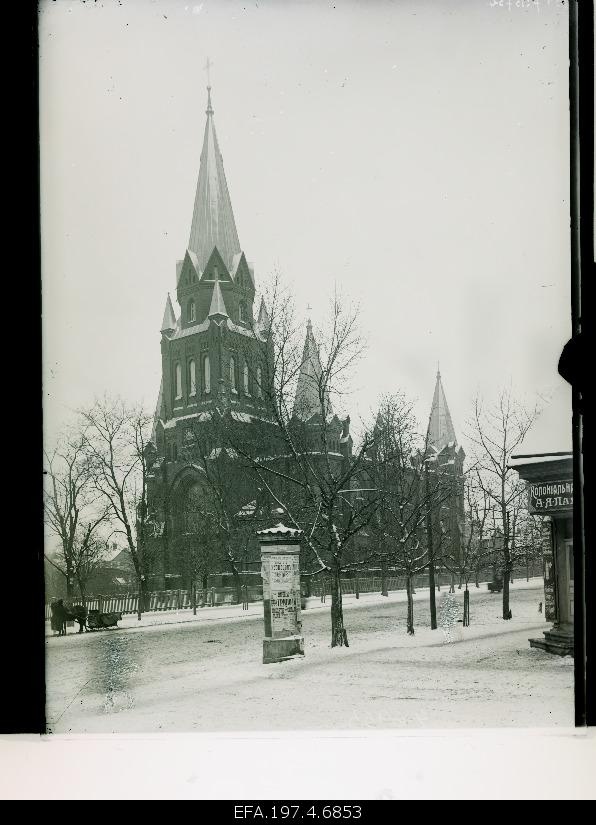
440, 426
158, 413
213, 220
168, 325
263, 321
307, 401
217, 310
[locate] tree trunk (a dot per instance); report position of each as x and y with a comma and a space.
459, 585
452, 586
82, 591
142, 601
431, 556
466, 621
432, 599
506, 608
477, 581
194, 597
384, 591
339, 636
69, 583
410, 620
527, 568
357, 587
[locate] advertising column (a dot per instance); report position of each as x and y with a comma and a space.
280, 570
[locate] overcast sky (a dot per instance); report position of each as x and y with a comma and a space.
414, 154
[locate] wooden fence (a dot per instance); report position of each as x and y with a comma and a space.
166, 600
213, 596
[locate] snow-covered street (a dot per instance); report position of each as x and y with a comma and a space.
178, 673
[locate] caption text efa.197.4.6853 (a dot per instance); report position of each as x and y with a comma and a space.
297, 812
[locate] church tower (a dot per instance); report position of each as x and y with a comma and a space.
213, 356
448, 459
212, 345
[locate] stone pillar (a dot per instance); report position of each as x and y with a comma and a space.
280, 569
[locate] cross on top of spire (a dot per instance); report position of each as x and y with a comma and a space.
207, 67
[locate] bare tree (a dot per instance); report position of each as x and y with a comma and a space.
496, 432
89, 554
70, 500
310, 476
116, 444
408, 503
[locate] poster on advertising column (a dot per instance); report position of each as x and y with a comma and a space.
284, 590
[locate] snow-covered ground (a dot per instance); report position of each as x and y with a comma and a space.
176, 672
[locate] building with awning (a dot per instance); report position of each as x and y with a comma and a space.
545, 462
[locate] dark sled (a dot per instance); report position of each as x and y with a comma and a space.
99, 621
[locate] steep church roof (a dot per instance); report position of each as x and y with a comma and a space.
440, 426
212, 220
307, 401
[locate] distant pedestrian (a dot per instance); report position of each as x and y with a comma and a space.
540, 607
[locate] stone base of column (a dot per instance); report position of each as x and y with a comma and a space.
558, 641
277, 650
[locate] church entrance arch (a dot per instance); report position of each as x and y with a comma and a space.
193, 543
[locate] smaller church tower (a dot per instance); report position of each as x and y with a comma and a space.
448, 461
441, 440
312, 411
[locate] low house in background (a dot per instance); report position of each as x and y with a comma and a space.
114, 576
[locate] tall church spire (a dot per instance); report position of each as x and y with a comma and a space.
307, 401
440, 426
213, 222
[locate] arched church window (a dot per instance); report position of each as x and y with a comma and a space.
242, 312
178, 381
246, 392
192, 376
207, 372
233, 375
259, 388
192, 312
